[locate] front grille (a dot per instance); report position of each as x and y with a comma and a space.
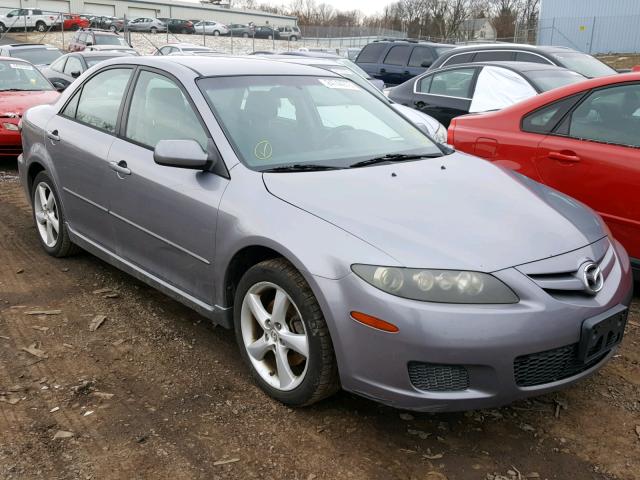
550, 366
438, 378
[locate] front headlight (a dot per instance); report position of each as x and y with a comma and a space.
10, 126
441, 286
441, 134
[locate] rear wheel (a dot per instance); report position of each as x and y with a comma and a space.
245, 35
184, 31
154, 30
293, 38
269, 37
75, 27
3, 28
41, 26
113, 28
49, 218
283, 336
216, 33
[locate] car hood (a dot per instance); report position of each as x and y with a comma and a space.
18, 102
454, 212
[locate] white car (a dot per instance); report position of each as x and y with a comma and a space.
21, 18
211, 28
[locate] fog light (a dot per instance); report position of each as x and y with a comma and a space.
374, 322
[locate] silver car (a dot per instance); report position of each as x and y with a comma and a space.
144, 24
343, 246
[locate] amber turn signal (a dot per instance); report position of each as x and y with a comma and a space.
374, 322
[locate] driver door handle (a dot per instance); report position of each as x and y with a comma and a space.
53, 135
568, 157
120, 167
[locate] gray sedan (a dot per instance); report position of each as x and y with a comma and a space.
343, 246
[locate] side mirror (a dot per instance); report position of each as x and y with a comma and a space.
59, 86
184, 154
76, 74
89, 44
426, 64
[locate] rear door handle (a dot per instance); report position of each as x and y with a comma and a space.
120, 167
568, 157
53, 136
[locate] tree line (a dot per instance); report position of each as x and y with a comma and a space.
443, 19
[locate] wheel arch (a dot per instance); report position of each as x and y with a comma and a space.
32, 172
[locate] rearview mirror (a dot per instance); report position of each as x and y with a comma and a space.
183, 154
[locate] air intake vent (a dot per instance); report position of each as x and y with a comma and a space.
438, 378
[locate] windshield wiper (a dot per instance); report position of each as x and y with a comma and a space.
15, 90
393, 157
300, 167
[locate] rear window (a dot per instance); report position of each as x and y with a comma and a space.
584, 64
398, 55
421, 55
110, 40
550, 79
37, 56
371, 53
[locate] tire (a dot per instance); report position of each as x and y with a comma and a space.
113, 28
154, 30
293, 38
269, 37
62, 246
41, 27
75, 27
216, 33
245, 35
3, 28
184, 31
311, 378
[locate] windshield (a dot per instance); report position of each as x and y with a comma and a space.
281, 120
110, 40
91, 61
550, 79
21, 76
37, 56
585, 64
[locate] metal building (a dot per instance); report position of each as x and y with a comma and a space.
150, 8
592, 26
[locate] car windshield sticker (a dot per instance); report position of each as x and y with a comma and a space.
263, 150
338, 83
21, 66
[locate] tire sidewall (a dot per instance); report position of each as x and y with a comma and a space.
41, 27
305, 390
42, 177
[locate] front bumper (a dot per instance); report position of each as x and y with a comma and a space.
484, 340
10, 143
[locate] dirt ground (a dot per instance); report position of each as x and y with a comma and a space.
155, 392
621, 61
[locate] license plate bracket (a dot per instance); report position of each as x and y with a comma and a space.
601, 333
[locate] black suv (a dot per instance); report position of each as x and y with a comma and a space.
565, 57
394, 61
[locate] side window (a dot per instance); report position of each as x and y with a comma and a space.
452, 83
371, 53
398, 55
101, 97
72, 107
493, 56
159, 110
58, 65
421, 55
73, 65
37, 12
530, 57
165, 50
13, 13
82, 38
459, 58
424, 84
609, 115
545, 119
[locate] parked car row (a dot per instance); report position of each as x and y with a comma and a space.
419, 252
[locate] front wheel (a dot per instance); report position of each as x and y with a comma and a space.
270, 37
245, 35
113, 28
3, 28
49, 218
293, 38
41, 26
283, 336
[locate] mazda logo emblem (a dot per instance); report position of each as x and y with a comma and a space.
592, 277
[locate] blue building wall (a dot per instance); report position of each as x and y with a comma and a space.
592, 26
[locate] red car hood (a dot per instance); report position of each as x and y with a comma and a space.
18, 102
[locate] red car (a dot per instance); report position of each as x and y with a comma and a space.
75, 22
583, 140
21, 86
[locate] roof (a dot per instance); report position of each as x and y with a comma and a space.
510, 46
411, 40
220, 66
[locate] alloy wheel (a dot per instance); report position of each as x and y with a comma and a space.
46, 212
274, 336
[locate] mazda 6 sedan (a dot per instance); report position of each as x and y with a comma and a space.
343, 246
